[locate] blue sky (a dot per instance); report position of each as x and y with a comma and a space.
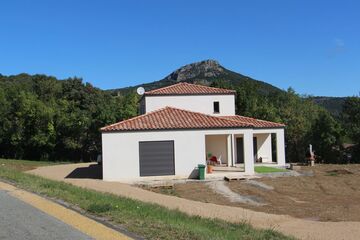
312, 46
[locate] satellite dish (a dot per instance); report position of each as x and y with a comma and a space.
140, 90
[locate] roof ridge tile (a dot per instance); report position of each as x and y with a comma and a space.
184, 88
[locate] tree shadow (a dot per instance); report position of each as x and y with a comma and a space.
93, 171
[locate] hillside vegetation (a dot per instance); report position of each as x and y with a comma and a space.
50, 119
45, 118
333, 104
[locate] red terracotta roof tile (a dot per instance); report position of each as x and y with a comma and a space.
184, 88
257, 123
173, 118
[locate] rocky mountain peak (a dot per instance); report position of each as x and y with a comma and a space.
204, 69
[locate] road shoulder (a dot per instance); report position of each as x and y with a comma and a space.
86, 225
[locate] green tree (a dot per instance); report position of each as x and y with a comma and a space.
44, 118
326, 138
130, 106
351, 121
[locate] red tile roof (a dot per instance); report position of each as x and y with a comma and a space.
184, 88
169, 118
257, 123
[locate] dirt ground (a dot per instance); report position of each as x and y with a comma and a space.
331, 194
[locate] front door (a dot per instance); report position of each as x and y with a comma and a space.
239, 150
255, 148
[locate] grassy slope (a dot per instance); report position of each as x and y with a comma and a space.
150, 220
264, 169
24, 165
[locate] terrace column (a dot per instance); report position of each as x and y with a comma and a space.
280, 147
248, 152
229, 150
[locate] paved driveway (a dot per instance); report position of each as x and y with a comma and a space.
21, 221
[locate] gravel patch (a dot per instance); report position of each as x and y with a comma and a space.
259, 185
285, 174
221, 188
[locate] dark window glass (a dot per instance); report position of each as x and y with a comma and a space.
216, 107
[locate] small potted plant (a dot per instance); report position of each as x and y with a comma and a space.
209, 164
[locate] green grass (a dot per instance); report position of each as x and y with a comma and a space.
264, 169
24, 165
144, 219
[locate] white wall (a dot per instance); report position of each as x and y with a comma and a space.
280, 147
264, 149
196, 103
121, 152
217, 146
249, 152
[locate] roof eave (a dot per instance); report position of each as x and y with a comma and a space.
189, 129
186, 94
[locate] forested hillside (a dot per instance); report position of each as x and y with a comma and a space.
45, 118
333, 104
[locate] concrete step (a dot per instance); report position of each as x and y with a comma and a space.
228, 169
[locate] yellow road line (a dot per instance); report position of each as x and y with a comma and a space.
72, 218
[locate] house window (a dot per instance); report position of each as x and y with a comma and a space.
216, 107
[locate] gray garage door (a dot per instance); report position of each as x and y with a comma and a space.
156, 158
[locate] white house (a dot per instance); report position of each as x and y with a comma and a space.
180, 127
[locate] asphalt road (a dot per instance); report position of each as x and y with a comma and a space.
20, 221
